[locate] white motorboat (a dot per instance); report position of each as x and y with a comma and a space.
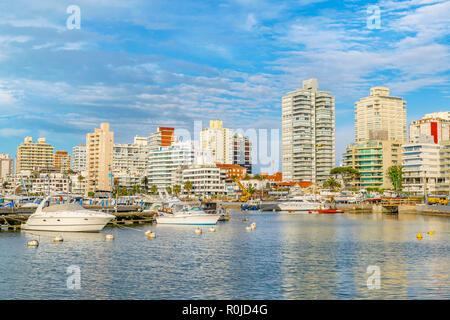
55, 214
298, 203
181, 213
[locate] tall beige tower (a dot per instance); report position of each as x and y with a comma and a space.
99, 159
219, 141
380, 117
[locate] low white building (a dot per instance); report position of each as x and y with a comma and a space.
206, 180
420, 163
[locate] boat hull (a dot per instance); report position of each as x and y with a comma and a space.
189, 220
66, 224
293, 207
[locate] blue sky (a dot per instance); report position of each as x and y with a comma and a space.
140, 64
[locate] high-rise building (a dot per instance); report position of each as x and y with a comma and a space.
380, 117
131, 159
373, 159
219, 141
165, 160
421, 166
430, 125
163, 137
6, 166
79, 158
444, 162
99, 159
242, 151
62, 161
308, 134
34, 156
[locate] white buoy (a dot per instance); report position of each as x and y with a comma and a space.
253, 225
58, 238
109, 237
150, 234
212, 229
248, 228
33, 243
198, 231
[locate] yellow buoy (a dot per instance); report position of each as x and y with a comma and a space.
150, 235
248, 228
33, 243
58, 238
431, 232
419, 236
198, 231
212, 229
109, 237
253, 225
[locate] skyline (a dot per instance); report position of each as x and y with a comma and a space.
231, 61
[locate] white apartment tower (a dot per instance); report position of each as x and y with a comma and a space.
6, 166
308, 134
79, 158
99, 159
380, 117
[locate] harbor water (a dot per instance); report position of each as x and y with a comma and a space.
287, 256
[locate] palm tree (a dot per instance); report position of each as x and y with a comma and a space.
169, 190
145, 183
331, 183
188, 187
177, 189
154, 189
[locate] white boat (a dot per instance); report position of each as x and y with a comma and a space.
298, 203
54, 215
181, 213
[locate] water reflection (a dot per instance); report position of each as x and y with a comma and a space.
286, 257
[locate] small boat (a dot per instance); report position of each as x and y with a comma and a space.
56, 214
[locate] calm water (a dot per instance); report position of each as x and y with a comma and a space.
286, 257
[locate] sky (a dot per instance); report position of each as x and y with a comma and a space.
139, 64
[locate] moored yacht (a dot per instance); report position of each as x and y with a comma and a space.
299, 203
182, 213
56, 214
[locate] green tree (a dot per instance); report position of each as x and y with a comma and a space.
188, 187
154, 189
169, 190
347, 174
331, 183
177, 189
145, 183
396, 175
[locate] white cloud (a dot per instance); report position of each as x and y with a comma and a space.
12, 132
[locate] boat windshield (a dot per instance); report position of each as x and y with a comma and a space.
63, 207
197, 209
